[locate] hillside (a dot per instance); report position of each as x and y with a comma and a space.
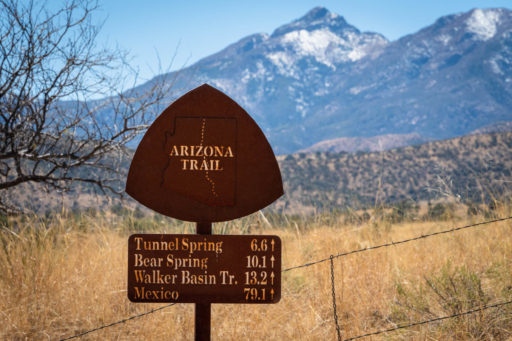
473, 168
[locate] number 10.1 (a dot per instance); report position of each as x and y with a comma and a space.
254, 262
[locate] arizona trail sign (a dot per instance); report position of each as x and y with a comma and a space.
205, 160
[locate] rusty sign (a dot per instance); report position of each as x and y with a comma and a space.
204, 159
204, 268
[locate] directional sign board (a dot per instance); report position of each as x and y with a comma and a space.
204, 159
204, 268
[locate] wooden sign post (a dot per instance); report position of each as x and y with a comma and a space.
205, 160
203, 312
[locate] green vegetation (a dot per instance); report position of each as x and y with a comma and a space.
471, 169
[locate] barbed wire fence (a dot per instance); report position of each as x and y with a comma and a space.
118, 322
335, 314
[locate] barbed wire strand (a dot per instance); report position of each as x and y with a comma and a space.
338, 330
303, 266
118, 322
397, 243
429, 321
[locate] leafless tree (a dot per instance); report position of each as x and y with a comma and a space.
54, 128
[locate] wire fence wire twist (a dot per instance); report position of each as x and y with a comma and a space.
338, 330
331, 258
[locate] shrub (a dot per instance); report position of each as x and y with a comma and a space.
453, 291
440, 211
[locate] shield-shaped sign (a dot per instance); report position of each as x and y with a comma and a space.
204, 159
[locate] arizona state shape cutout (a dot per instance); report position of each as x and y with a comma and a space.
204, 159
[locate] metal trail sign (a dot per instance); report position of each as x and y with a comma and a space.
185, 268
205, 160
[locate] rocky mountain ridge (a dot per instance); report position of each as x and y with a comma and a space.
321, 78
470, 169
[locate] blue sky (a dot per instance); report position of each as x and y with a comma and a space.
194, 29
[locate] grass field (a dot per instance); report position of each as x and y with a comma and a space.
66, 274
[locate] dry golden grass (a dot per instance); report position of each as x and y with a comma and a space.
68, 275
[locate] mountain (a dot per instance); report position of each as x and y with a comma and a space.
470, 169
474, 168
367, 144
279, 78
448, 79
320, 78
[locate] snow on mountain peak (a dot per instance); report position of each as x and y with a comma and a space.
311, 43
325, 46
483, 23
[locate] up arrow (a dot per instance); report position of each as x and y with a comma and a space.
272, 242
272, 277
272, 259
271, 294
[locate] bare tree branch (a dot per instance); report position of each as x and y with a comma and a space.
53, 128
